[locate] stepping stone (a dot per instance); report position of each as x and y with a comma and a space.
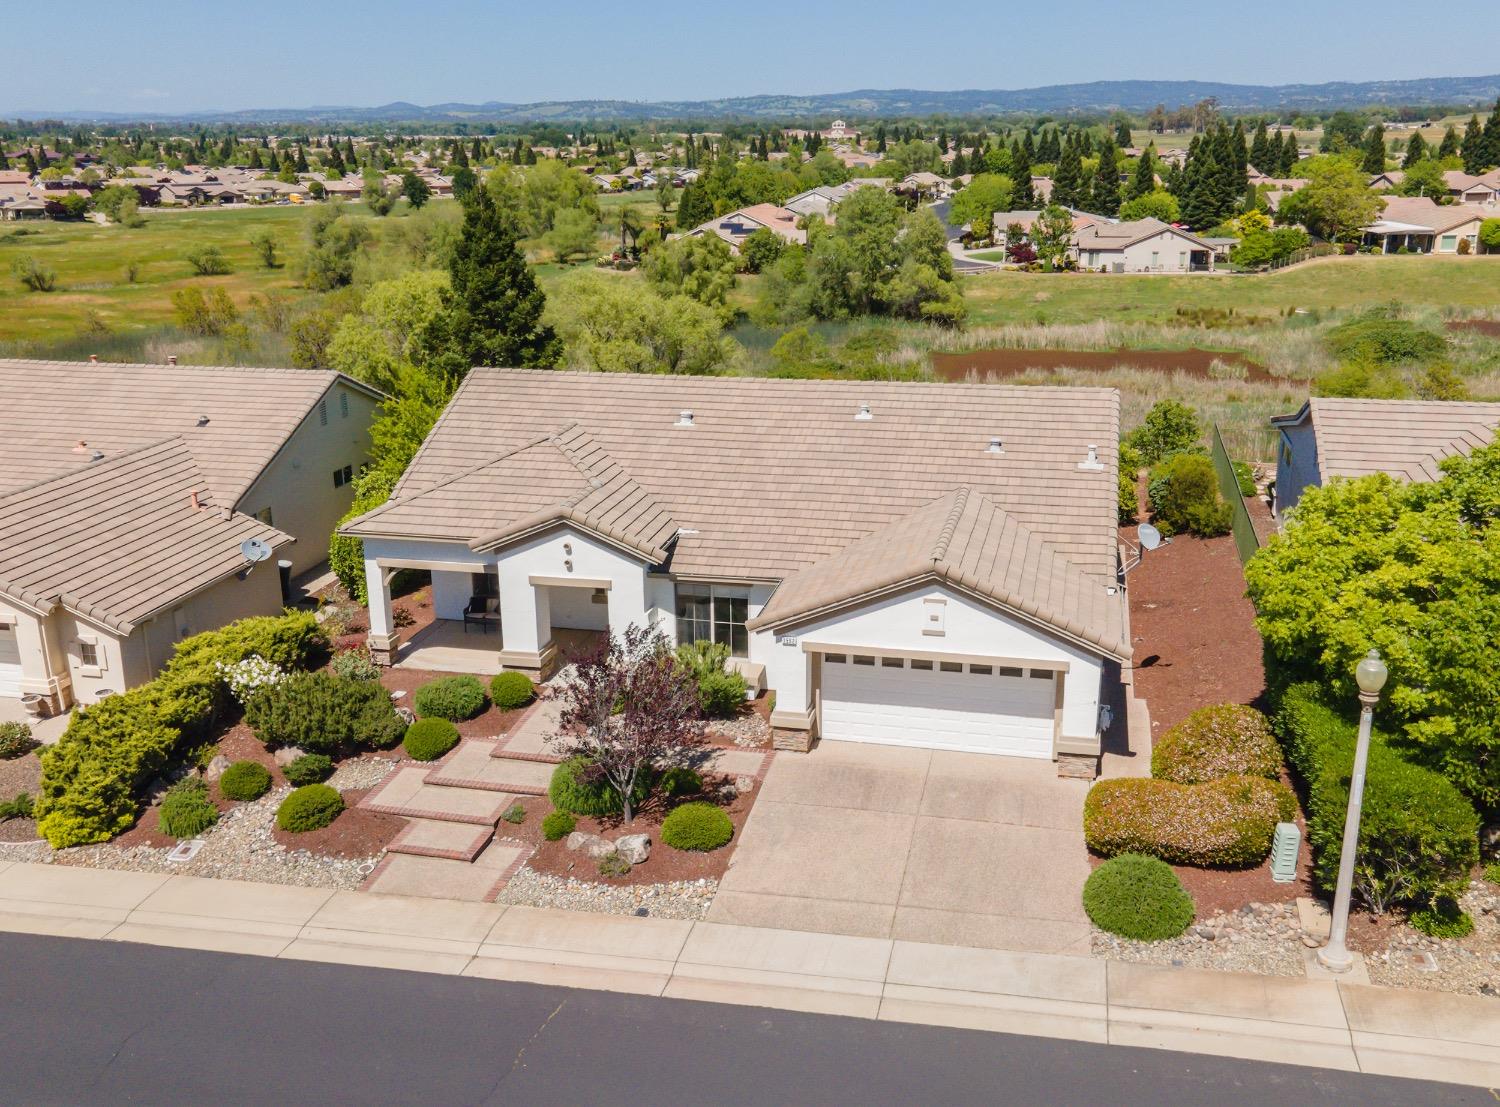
434, 838
408, 794
532, 739
478, 881
473, 765
737, 762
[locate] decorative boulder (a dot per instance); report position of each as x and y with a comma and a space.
216, 767
591, 844
635, 848
287, 754
408, 716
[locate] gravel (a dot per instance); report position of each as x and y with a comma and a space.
749, 731
360, 773
683, 899
1471, 965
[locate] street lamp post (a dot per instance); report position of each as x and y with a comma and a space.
1370, 675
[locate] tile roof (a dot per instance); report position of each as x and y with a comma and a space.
121, 539
1117, 236
1420, 211
1405, 438
52, 406
773, 475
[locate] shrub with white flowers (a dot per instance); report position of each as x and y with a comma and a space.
246, 678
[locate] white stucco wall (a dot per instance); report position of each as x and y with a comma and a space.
525, 612
1174, 255
970, 629
575, 609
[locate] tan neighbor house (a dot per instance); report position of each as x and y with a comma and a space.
126, 492
1421, 226
1142, 246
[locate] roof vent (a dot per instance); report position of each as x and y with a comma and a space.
80, 447
864, 414
93, 359
684, 418
171, 359
203, 420
1092, 464
995, 446
97, 455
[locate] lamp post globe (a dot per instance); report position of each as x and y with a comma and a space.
1370, 674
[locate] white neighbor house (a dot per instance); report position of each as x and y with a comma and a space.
125, 493
902, 563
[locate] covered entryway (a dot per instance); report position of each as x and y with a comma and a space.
10, 662
949, 705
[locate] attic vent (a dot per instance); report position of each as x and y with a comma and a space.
97, 455
995, 446
864, 414
684, 418
171, 359
203, 420
93, 359
1091, 464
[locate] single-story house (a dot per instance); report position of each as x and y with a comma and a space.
903, 563
925, 185
125, 493
1142, 246
1003, 221
736, 226
1468, 188
1334, 437
1423, 226
816, 201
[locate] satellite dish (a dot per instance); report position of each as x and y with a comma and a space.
254, 550
1148, 536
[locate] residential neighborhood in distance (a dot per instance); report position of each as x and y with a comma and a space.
1021, 561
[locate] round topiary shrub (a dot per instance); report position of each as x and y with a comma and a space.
245, 780
429, 739
452, 698
1227, 739
1230, 821
696, 826
1137, 897
310, 768
681, 781
570, 791
558, 824
511, 690
186, 810
311, 807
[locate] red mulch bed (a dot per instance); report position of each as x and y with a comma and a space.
665, 863
355, 833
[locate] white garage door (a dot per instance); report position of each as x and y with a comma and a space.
10, 663
941, 705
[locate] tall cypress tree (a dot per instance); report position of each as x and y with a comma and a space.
1067, 178
1416, 150
1490, 156
1260, 150
1143, 180
1104, 198
1449, 146
1374, 151
1024, 197
1290, 155
1472, 149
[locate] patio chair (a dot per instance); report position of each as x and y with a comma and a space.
478, 611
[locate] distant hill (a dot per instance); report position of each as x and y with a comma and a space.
1097, 96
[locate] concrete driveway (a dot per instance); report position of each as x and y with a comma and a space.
921, 845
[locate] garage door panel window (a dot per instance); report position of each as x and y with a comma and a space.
981, 670
892, 662
714, 613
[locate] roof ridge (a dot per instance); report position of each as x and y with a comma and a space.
950, 524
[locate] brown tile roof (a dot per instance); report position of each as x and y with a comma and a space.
1117, 236
1405, 438
52, 406
964, 540
1420, 211
774, 476
119, 540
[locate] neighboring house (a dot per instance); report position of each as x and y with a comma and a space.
927, 186
125, 492
736, 226
1004, 220
1332, 437
1467, 188
1423, 226
901, 563
1142, 246
816, 201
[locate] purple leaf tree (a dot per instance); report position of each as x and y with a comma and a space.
630, 710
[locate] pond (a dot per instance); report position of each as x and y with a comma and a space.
994, 365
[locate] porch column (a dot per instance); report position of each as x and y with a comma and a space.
525, 623
44, 663
798, 682
384, 638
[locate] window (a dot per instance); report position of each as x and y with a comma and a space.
1155, 259
921, 663
264, 516
834, 658
484, 584
861, 659
1182, 259
88, 655
1450, 242
343, 476
891, 663
1041, 674
951, 666
714, 613
1007, 671
343, 405
981, 670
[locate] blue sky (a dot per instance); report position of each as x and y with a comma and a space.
189, 55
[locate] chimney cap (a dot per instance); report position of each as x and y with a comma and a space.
864, 415
685, 417
996, 446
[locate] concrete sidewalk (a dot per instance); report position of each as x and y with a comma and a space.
1355, 1027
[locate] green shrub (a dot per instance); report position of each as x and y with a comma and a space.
186, 810
1227, 739
19, 807
323, 713
1131, 463
1138, 898
15, 741
1444, 919
696, 826
429, 739
245, 780
558, 824
310, 768
721, 692
1492, 872
1418, 835
453, 698
613, 864
1244, 477
1380, 337
1170, 427
515, 814
1184, 497
511, 690
93, 776
681, 781
1229, 821
572, 791
311, 807
355, 664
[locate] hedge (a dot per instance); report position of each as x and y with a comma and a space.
696, 826
311, 807
511, 690
1139, 898
1227, 739
1418, 835
323, 713
93, 776
429, 739
1229, 821
245, 780
571, 790
453, 698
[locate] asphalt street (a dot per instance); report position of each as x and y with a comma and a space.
85, 1022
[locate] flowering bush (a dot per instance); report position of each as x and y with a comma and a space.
246, 678
1227, 739
1229, 821
355, 664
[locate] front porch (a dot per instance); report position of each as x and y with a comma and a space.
444, 646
